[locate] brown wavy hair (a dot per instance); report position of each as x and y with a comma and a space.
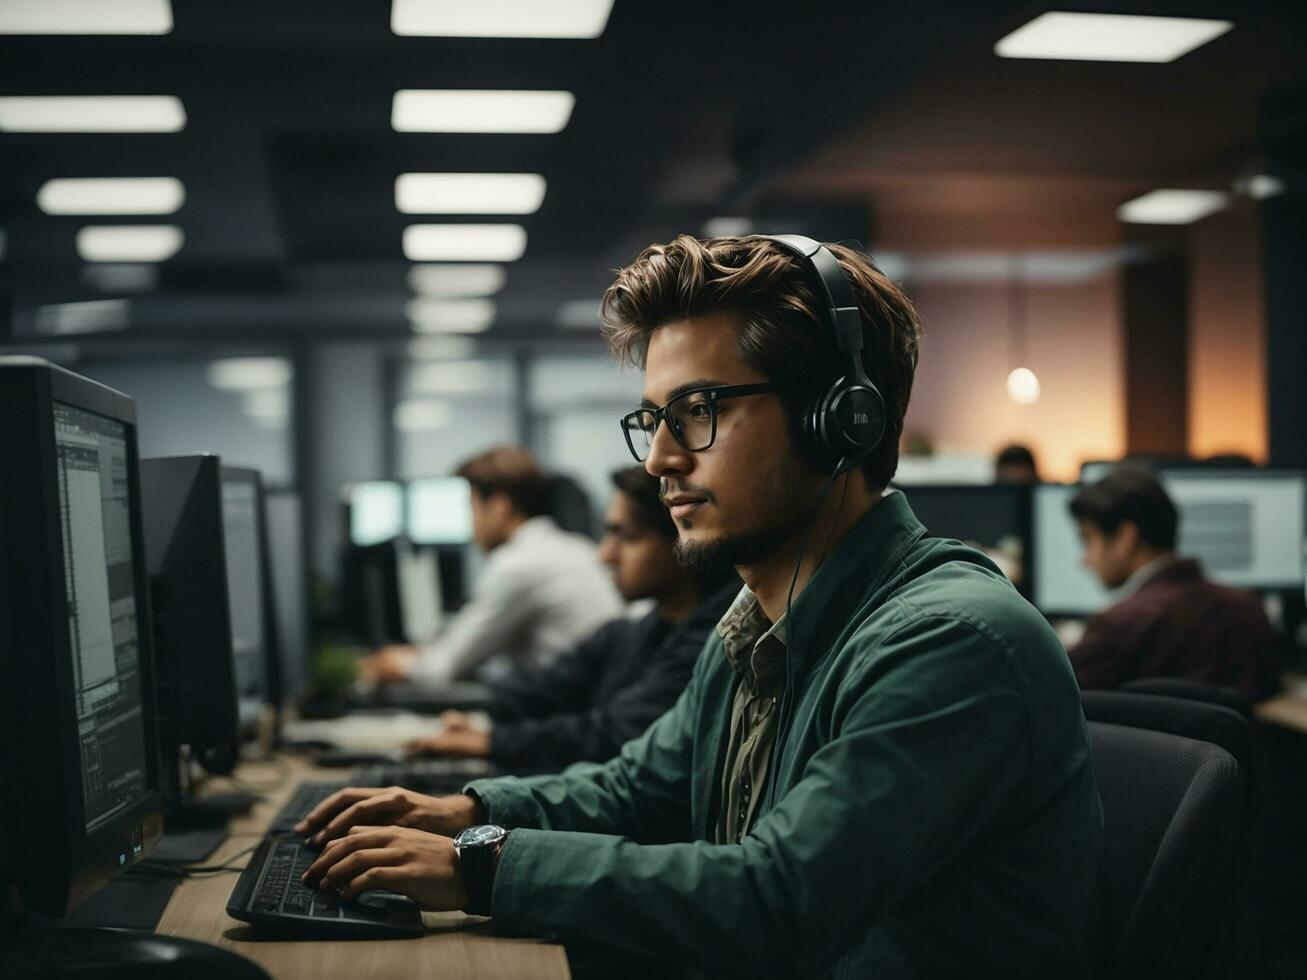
781, 337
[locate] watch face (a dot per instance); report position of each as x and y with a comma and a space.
474, 836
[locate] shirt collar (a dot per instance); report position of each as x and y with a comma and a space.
1143, 575
754, 646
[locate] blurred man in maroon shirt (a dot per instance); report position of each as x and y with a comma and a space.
1168, 621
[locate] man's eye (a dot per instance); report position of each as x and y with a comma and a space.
700, 410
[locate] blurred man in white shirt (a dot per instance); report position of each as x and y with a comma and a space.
542, 589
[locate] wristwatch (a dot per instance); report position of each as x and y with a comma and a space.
477, 848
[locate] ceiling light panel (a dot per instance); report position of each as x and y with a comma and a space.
249, 373
480, 111
1172, 207
450, 378
85, 17
1059, 35
441, 348
92, 114
450, 315
111, 195
422, 416
500, 18
469, 193
92, 316
129, 243
456, 279
455, 243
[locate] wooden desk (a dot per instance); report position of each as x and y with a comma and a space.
457, 946
1288, 710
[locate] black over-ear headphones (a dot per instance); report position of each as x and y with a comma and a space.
845, 424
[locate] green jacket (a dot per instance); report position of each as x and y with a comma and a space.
931, 809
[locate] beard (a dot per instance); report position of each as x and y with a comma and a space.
784, 486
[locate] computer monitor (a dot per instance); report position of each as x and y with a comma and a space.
1247, 527
421, 600
370, 606
78, 737
439, 511
996, 517
249, 587
1060, 584
376, 511
186, 554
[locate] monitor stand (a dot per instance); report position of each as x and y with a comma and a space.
193, 826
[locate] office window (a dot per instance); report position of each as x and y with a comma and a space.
575, 403
181, 410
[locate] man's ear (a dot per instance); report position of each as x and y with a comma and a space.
1126, 538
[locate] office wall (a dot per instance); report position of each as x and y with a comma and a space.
1227, 336
960, 398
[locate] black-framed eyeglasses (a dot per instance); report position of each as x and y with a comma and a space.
691, 416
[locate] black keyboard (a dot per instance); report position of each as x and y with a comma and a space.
269, 893
301, 802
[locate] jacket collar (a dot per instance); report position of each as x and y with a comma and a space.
867, 564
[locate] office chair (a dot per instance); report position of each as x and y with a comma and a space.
1174, 813
1191, 690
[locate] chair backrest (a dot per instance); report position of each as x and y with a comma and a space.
1174, 812
1191, 690
1204, 720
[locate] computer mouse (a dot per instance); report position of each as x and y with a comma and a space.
121, 954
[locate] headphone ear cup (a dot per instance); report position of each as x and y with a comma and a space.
846, 423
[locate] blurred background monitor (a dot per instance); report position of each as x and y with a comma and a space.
370, 606
995, 517
1246, 527
947, 468
1060, 584
249, 587
186, 554
376, 511
421, 600
77, 716
439, 511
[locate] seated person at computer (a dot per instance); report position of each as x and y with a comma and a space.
1168, 619
889, 776
541, 592
1015, 464
609, 689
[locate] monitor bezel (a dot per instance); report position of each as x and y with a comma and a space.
84, 860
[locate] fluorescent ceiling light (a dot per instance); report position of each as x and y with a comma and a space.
469, 193
249, 373
483, 243
85, 17
500, 18
1172, 207
480, 111
111, 195
450, 378
267, 403
88, 317
456, 280
422, 416
1063, 36
92, 114
450, 315
129, 243
578, 314
121, 277
727, 227
1261, 186
441, 348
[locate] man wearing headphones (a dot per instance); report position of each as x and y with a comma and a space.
880, 766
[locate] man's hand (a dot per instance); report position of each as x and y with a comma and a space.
389, 664
421, 866
465, 743
334, 816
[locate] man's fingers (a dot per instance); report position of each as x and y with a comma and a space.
332, 804
369, 811
352, 865
340, 849
388, 877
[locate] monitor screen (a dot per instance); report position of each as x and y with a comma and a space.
439, 511
245, 593
376, 512
420, 603
92, 458
1061, 584
1245, 527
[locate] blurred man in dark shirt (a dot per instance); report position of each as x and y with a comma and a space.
1169, 621
1015, 464
608, 690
